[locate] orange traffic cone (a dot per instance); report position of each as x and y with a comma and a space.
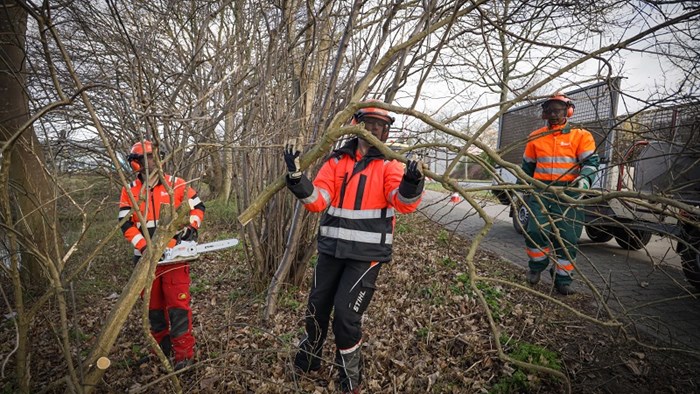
455, 198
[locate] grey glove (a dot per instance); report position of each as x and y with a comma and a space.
582, 182
291, 158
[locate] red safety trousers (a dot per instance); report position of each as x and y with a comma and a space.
169, 311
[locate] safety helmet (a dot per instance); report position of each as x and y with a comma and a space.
141, 148
372, 112
562, 98
138, 151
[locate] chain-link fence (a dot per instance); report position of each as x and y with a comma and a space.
664, 157
596, 107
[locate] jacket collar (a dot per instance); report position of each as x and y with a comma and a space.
350, 147
565, 128
141, 177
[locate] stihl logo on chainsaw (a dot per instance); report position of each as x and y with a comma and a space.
189, 250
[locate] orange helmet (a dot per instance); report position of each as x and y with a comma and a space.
138, 151
562, 98
372, 112
141, 148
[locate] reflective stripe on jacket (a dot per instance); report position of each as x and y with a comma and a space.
362, 195
560, 154
153, 199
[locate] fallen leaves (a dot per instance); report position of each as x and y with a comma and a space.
424, 331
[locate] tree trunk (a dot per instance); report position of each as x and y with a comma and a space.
32, 190
28, 191
228, 158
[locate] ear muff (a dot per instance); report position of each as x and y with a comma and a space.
570, 110
135, 162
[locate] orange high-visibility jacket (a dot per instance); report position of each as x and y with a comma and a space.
560, 154
152, 200
362, 194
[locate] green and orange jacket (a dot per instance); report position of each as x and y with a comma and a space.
150, 203
558, 155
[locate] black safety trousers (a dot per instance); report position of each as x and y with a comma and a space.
346, 287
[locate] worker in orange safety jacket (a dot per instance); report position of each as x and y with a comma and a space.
170, 315
558, 154
361, 191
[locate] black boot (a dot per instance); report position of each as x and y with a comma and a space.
564, 289
533, 277
308, 358
350, 370
165, 345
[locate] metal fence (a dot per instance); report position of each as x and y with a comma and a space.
679, 125
596, 108
668, 162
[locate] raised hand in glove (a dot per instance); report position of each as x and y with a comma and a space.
582, 182
413, 173
188, 233
291, 157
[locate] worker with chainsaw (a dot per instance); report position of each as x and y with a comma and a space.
170, 315
360, 191
559, 154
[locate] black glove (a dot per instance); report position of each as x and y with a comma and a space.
188, 233
291, 157
413, 172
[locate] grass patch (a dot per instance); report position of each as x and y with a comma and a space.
423, 332
288, 300
236, 295
198, 285
492, 297
313, 261
447, 386
518, 381
443, 237
435, 186
403, 229
447, 262
535, 354
220, 213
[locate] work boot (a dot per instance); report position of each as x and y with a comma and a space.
533, 277
147, 359
182, 364
350, 371
307, 358
564, 289
165, 345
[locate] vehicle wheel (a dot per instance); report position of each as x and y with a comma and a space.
631, 239
599, 234
520, 218
690, 258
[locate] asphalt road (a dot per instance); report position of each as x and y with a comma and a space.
645, 288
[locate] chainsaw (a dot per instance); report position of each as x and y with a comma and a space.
190, 250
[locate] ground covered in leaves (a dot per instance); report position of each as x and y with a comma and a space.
425, 332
